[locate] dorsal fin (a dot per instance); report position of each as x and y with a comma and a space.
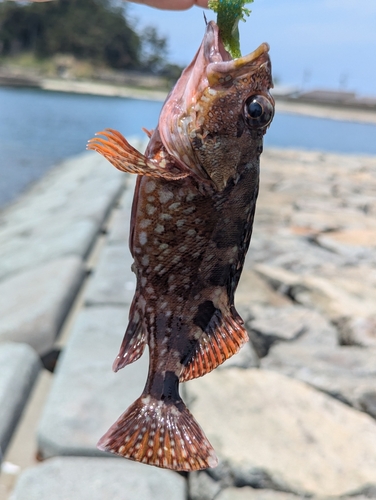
117, 150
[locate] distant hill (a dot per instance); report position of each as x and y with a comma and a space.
90, 30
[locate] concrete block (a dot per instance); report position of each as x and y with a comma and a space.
113, 282
119, 229
61, 215
19, 367
77, 478
34, 303
87, 397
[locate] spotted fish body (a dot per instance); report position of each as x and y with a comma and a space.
191, 226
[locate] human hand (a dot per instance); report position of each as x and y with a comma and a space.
174, 4
166, 4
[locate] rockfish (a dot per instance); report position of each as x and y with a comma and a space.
191, 226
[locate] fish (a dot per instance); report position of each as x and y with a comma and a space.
191, 225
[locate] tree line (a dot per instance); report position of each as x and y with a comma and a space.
94, 30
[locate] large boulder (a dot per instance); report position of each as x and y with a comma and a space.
271, 431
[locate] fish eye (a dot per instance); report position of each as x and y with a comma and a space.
259, 111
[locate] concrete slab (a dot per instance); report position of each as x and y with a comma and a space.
113, 282
86, 396
60, 215
119, 229
19, 367
98, 479
35, 302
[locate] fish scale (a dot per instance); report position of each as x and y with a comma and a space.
191, 226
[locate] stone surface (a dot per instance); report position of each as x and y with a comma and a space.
119, 229
279, 433
248, 493
113, 282
271, 325
34, 303
283, 323
246, 358
202, 487
357, 330
346, 373
335, 297
252, 290
19, 367
86, 396
77, 478
60, 215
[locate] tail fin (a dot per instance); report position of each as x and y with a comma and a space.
161, 434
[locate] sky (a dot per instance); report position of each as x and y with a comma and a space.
314, 43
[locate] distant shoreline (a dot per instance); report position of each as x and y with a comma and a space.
284, 104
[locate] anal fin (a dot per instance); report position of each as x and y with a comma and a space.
133, 344
222, 339
117, 150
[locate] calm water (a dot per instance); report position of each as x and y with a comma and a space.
38, 129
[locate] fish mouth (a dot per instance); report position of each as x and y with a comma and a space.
219, 62
213, 68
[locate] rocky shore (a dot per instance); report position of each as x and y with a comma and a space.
292, 416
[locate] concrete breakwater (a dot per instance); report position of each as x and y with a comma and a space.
292, 415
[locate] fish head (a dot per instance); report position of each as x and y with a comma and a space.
214, 120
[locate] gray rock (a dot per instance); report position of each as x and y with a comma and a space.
77, 478
113, 282
357, 330
353, 243
246, 358
271, 325
367, 402
202, 487
253, 290
281, 323
273, 429
248, 493
119, 228
19, 367
280, 247
34, 303
61, 215
86, 396
346, 373
335, 297
280, 279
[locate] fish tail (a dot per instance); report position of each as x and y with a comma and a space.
163, 434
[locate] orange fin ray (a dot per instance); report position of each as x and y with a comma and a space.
117, 150
223, 338
157, 433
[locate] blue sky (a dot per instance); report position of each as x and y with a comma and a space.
314, 43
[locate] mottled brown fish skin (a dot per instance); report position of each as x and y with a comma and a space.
192, 221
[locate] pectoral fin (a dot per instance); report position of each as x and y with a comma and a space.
117, 150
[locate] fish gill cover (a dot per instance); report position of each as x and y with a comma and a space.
229, 13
